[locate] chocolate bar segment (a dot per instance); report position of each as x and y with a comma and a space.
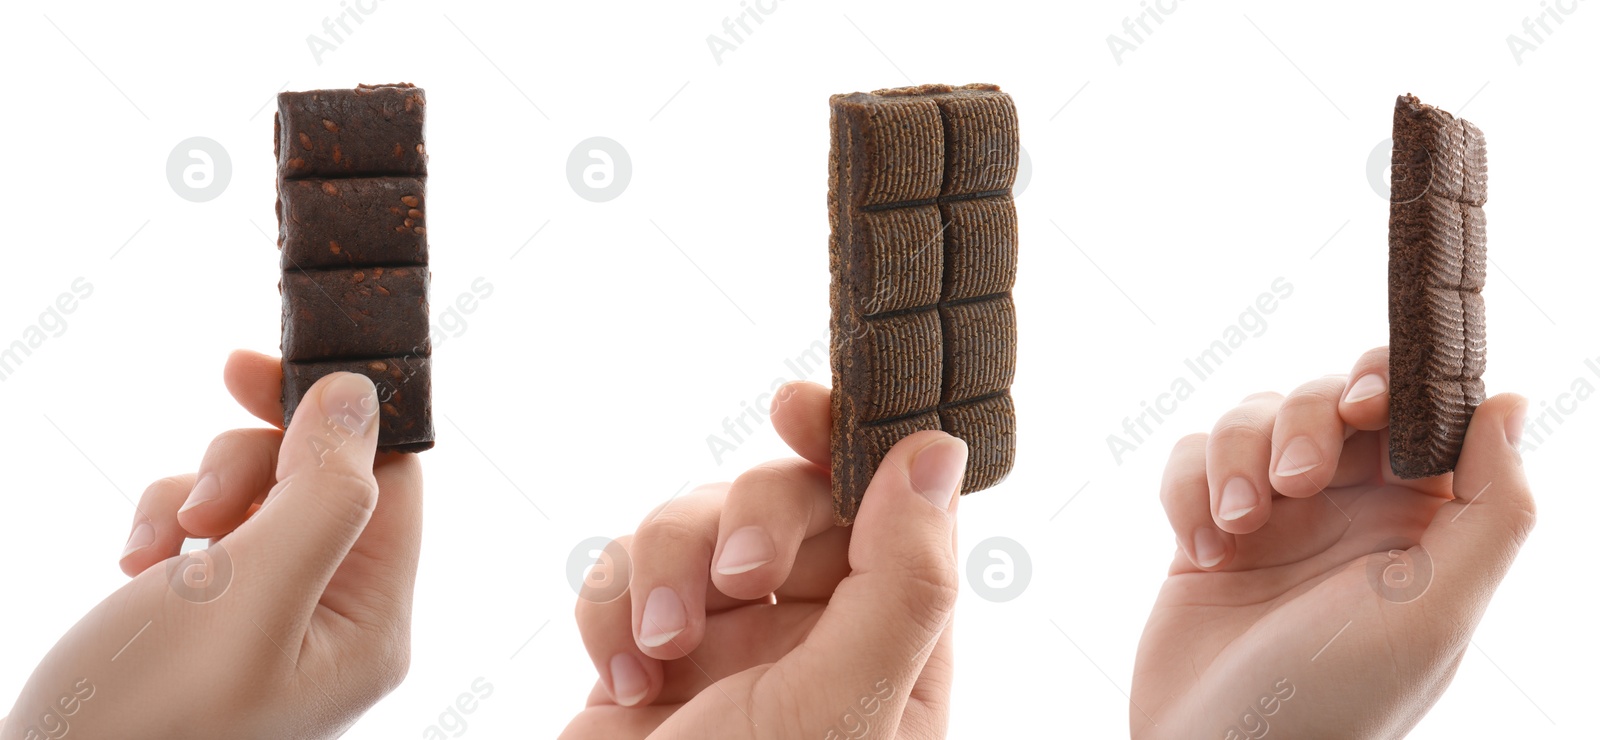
405, 395
923, 255
1437, 262
355, 313
352, 221
371, 131
352, 194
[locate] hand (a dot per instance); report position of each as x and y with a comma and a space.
294, 621
801, 628
1314, 594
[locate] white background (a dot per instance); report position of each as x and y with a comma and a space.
1228, 150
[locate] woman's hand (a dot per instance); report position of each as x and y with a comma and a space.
294, 621
750, 614
1313, 594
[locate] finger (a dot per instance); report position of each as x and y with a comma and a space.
1237, 455
885, 619
156, 534
769, 511
1473, 539
605, 623
1187, 499
376, 581
802, 413
236, 472
256, 382
1365, 403
325, 494
671, 555
1307, 437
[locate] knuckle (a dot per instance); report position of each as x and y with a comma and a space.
394, 670
341, 493
231, 440
1188, 444
1261, 396
172, 485
1238, 426
931, 585
670, 524
761, 479
1319, 392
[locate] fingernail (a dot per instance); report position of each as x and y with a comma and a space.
1365, 387
629, 683
143, 535
936, 470
1514, 423
204, 492
1238, 499
351, 401
1298, 457
663, 619
1209, 548
747, 548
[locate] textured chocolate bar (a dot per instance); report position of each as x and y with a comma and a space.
923, 254
352, 190
355, 313
1437, 263
404, 384
352, 221
373, 130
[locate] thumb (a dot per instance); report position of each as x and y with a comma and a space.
325, 492
1473, 538
883, 621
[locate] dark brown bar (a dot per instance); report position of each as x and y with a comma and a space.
352, 221
923, 255
352, 194
1438, 257
405, 391
355, 313
371, 131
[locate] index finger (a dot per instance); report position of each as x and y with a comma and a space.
802, 413
256, 382
1365, 401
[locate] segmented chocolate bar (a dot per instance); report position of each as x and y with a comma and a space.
1437, 263
352, 192
923, 255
